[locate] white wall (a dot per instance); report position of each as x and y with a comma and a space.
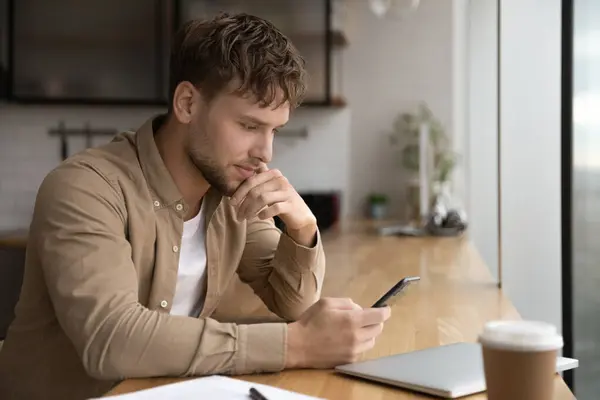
389, 66
530, 79
482, 174
460, 76
320, 163
514, 155
28, 153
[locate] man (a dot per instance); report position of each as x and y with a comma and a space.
132, 243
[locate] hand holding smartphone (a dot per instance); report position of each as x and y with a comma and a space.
387, 298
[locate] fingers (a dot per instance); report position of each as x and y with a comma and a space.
260, 196
373, 316
369, 332
273, 210
253, 181
363, 339
365, 346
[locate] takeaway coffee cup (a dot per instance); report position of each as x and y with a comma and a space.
519, 359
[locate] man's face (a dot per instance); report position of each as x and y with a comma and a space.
230, 137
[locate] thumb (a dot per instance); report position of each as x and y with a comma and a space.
262, 167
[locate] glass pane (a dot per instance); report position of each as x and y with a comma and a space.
586, 197
302, 21
3, 48
87, 49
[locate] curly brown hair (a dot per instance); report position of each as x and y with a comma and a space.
239, 48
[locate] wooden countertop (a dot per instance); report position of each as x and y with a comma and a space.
14, 238
451, 303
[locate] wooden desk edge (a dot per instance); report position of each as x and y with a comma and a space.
131, 385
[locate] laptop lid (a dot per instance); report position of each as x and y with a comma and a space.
448, 371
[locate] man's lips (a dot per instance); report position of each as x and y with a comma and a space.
246, 171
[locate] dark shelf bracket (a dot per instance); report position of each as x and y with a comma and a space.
87, 132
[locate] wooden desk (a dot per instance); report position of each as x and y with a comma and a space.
14, 238
453, 300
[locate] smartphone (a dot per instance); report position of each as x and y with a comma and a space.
398, 288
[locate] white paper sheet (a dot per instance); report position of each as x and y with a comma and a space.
212, 387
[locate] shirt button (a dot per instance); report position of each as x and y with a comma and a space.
179, 207
175, 249
164, 304
156, 203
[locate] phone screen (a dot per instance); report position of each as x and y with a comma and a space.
392, 294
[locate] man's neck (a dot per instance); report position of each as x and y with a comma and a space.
170, 141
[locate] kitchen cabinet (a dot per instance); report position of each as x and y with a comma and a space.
308, 23
117, 53
12, 265
95, 51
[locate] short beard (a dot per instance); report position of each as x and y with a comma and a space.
213, 175
198, 154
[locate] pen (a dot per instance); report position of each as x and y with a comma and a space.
256, 395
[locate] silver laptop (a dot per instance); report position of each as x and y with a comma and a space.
449, 371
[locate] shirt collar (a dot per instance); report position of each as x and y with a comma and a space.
159, 179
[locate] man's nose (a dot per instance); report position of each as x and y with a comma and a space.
263, 148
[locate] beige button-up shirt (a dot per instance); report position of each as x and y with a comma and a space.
100, 276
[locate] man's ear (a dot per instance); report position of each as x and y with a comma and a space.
185, 102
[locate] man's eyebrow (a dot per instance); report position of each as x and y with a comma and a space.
258, 121
254, 120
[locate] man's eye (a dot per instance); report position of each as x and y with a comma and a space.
249, 127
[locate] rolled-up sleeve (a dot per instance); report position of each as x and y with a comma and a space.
79, 234
287, 276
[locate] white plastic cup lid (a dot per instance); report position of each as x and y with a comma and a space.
521, 336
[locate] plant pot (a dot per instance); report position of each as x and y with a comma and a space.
378, 210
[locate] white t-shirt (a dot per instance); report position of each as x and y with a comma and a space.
191, 276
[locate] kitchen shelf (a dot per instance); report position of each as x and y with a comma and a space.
319, 42
74, 101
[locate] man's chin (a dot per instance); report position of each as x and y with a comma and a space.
228, 189
232, 188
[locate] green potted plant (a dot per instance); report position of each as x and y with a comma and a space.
404, 139
378, 203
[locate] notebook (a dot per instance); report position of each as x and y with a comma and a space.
211, 387
448, 371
